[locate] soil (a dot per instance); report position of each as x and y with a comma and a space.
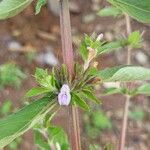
25, 29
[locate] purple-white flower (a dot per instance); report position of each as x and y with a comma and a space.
64, 96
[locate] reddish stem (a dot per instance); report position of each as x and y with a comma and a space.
74, 128
128, 85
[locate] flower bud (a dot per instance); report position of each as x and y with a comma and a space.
100, 37
95, 64
92, 53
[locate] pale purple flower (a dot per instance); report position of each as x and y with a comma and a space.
65, 88
64, 96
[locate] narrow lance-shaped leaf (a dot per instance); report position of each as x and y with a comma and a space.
88, 94
111, 46
16, 124
124, 74
37, 91
79, 101
10, 8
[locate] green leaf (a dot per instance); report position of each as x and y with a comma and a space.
111, 46
6, 107
101, 121
88, 94
44, 79
18, 123
124, 74
40, 141
79, 101
94, 147
144, 89
83, 48
57, 135
39, 5
137, 114
37, 91
89, 42
138, 9
11, 75
134, 39
110, 11
10, 8
111, 91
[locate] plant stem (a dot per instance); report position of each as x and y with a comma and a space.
124, 126
127, 101
128, 28
67, 50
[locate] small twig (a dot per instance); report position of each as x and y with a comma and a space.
127, 101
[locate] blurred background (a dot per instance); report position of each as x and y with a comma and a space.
28, 41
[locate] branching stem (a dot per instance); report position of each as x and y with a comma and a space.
67, 50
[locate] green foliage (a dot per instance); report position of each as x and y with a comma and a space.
101, 121
143, 89
111, 91
110, 11
37, 91
44, 79
137, 114
57, 135
10, 75
13, 126
124, 74
89, 95
138, 9
112, 46
30, 56
40, 142
94, 147
134, 39
109, 146
39, 5
103, 47
6, 107
88, 42
10, 8
100, 46
47, 137
14, 145
77, 100
95, 122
